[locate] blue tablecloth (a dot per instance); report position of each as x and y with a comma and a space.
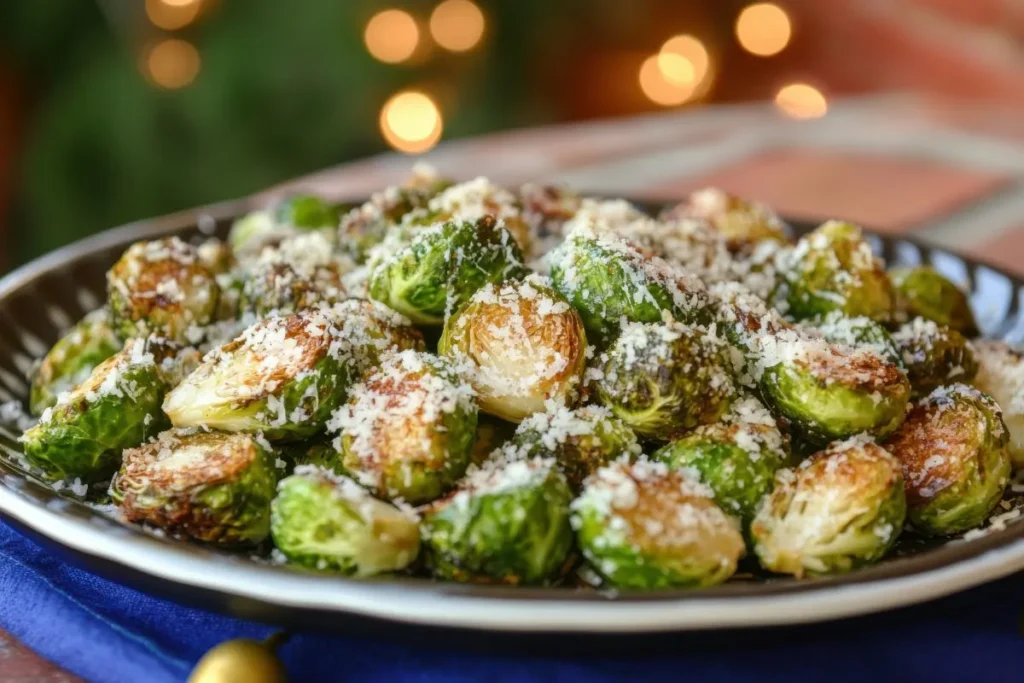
102, 631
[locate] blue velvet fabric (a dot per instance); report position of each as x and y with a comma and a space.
102, 631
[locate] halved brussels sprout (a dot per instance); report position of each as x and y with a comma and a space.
473, 200
72, 359
827, 391
956, 463
284, 218
742, 222
521, 344
934, 355
664, 379
736, 458
161, 288
644, 527
1001, 375
833, 269
841, 508
744, 319
116, 407
608, 280
407, 430
443, 266
508, 522
208, 486
925, 292
302, 272
284, 376
580, 440
324, 521
858, 333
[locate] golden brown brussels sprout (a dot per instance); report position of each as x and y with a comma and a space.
742, 222
407, 430
934, 355
925, 292
1001, 375
857, 333
522, 344
161, 288
209, 486
833, 269
841, 508
643, 527
956, 464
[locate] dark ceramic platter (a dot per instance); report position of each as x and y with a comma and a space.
39, 300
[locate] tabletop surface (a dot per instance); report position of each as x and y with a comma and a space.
950, 173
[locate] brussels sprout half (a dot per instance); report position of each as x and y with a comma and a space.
407, 430
1001, 375
213, 487
664, 379
116, 407
608, 280
925, 292
161, 288
934, 355
521, 344
72, 359
443, 266
857, 333
833, 269
954, 451
508, 522
644, 527
742, 222
324, 521
839, 509
284, 376
580, 440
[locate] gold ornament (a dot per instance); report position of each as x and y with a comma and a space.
242, 661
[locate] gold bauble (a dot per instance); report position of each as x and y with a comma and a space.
239, 661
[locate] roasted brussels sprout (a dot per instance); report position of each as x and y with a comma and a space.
736, 458
324, 521
284, 376
443, 266
827, 391
833, 269
216, 256
522, 344
925, 292
607, 280
742, 222
934, 355
580, 440
300, 273
208, 486
471, 201
407, 430
72, 359
956, 463
664, 379
1001, 375
508, 522
839, 509
161, 288
116, 407
858, 333
284, 218
644, 527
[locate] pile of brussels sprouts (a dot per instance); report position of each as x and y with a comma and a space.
526, 386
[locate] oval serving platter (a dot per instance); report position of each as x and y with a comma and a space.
40, 300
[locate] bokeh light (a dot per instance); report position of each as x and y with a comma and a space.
763, 29
660, 89
457, 25
696, 57
172, 14
411, 122
801, 101
676, 68
172, 63
392, 36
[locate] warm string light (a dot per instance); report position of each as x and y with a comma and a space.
172, 15
763, 29
801, 101
411, 122
172, 63
679, 73
391, 36
457, 25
